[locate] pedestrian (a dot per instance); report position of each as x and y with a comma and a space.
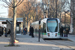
24, 31
61, 31
1, 31
32, 30
5, 32
8, 32
67, 32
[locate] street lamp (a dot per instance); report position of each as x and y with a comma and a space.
39, 30
44, 14
45, 9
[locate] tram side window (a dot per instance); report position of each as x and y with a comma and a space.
44, 27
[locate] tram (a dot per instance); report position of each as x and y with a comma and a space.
49, 28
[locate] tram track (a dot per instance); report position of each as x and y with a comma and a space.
68, 47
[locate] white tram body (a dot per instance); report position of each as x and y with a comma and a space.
49, 28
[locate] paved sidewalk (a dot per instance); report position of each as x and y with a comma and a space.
26, 42
71, 37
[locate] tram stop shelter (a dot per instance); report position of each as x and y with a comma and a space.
19, 23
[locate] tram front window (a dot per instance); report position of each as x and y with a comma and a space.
52, 26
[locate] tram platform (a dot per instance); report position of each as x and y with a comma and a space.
71, 37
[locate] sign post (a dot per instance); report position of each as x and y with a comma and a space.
39, 31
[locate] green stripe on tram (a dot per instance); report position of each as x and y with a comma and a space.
58, 33
44, 33
40, 33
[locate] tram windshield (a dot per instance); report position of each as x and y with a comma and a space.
52, 26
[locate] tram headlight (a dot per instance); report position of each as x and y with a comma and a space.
48, 34
56, 34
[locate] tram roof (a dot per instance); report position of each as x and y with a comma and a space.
45, 19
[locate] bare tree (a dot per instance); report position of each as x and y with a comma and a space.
26, 11
54, 7
72, 7
13, 4
51, 7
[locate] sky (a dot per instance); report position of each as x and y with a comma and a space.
3, 10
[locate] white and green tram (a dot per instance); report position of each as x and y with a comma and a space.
49, 28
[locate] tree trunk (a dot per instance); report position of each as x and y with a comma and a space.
73, 26
73, 5
13, 25
23, 22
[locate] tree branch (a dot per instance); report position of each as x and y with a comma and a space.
8, 3
11, 2
19, 3
7, 6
